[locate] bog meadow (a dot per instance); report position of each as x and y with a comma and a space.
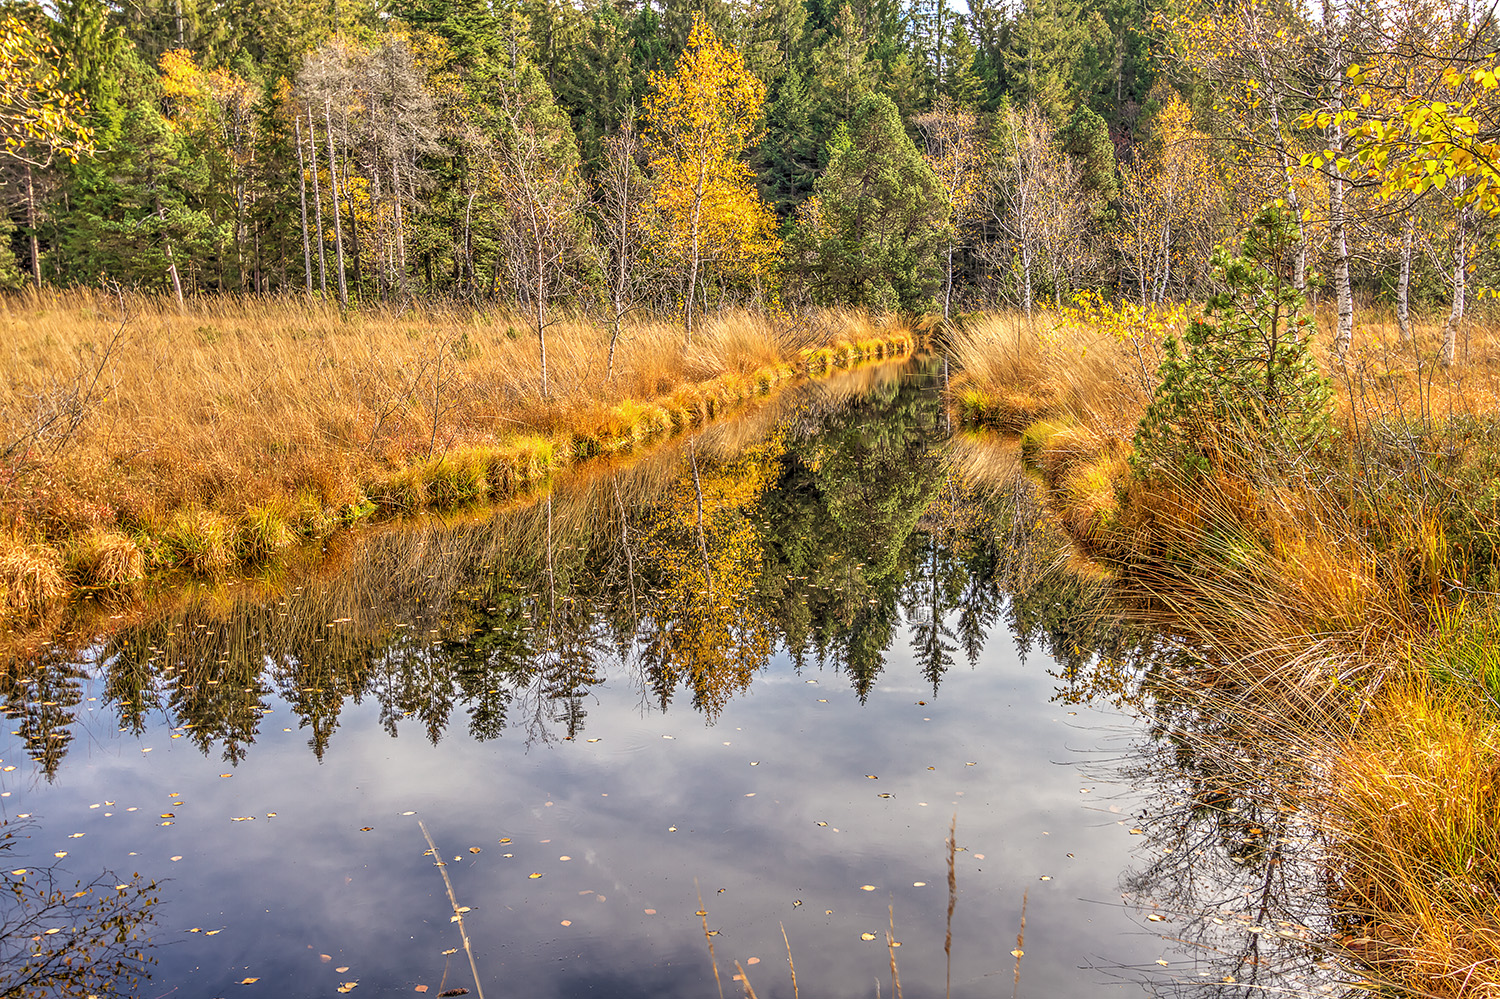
1056, 445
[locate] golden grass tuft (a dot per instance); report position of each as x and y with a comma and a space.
105, 559
1414, 804
31, 576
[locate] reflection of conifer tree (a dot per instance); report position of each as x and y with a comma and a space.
40, 699
927, 602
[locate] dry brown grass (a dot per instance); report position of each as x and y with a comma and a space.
1414, 803
1017, 369
214, 439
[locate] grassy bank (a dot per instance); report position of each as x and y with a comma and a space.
1336, 584
136, 440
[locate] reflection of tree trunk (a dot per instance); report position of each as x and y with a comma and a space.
702, 540
551, 572
629, 555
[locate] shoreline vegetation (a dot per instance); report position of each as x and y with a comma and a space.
144, 443
1329, 566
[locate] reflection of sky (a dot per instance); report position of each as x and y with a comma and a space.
287, 889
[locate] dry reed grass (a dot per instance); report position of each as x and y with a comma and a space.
1328, 597
217, 438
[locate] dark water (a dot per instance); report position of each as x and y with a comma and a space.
764, 668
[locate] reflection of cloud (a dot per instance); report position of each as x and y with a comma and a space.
309, 879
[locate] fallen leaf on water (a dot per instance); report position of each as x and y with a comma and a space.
60, 853
408, 813
1018, 952
473, 849
593, 740
196, 929
169, 815
1156, 918
420, 988
650, 912
567, 922
75, 835
505, 840
249, 981
450, 952
978, 856
176, 858
867, 888
366, 828
18, 872
867, 936
342, 970
534, 875
242, 818
212, 932
887, 796
226, 775
753, 960
871, 777
1137, 832
325, 958
1045, 877
919, 884
755, 763
1161, 962
822, 823
348, 986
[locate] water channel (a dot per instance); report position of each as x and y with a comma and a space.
697, 710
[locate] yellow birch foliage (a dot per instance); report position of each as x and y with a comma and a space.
37, 119
703, 209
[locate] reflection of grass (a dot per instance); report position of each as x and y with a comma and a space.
215, 452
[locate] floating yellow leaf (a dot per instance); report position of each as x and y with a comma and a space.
348, 987
212, 932
341, 970
366, 828
60, 853
867, 936
867, 888
567, 922
18, 872
919, 884
242, 818
1018, 952
534, 875
249, 981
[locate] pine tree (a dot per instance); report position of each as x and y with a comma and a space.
871, 233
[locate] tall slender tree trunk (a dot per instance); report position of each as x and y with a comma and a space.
948, 287
694, 253
1338, 217
312, 138
36, 253
540, 306
400, 230
333, 186
1449, 353
302, 195
171, 260
1403, 282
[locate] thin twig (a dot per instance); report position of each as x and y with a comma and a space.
890, 946
1020, 946
745, 980
458, 915
789, 964
709, 937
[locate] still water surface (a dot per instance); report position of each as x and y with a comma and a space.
763, 668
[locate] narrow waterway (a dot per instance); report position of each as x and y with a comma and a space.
690, 713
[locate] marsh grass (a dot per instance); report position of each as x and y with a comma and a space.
215, 439
1348, 593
